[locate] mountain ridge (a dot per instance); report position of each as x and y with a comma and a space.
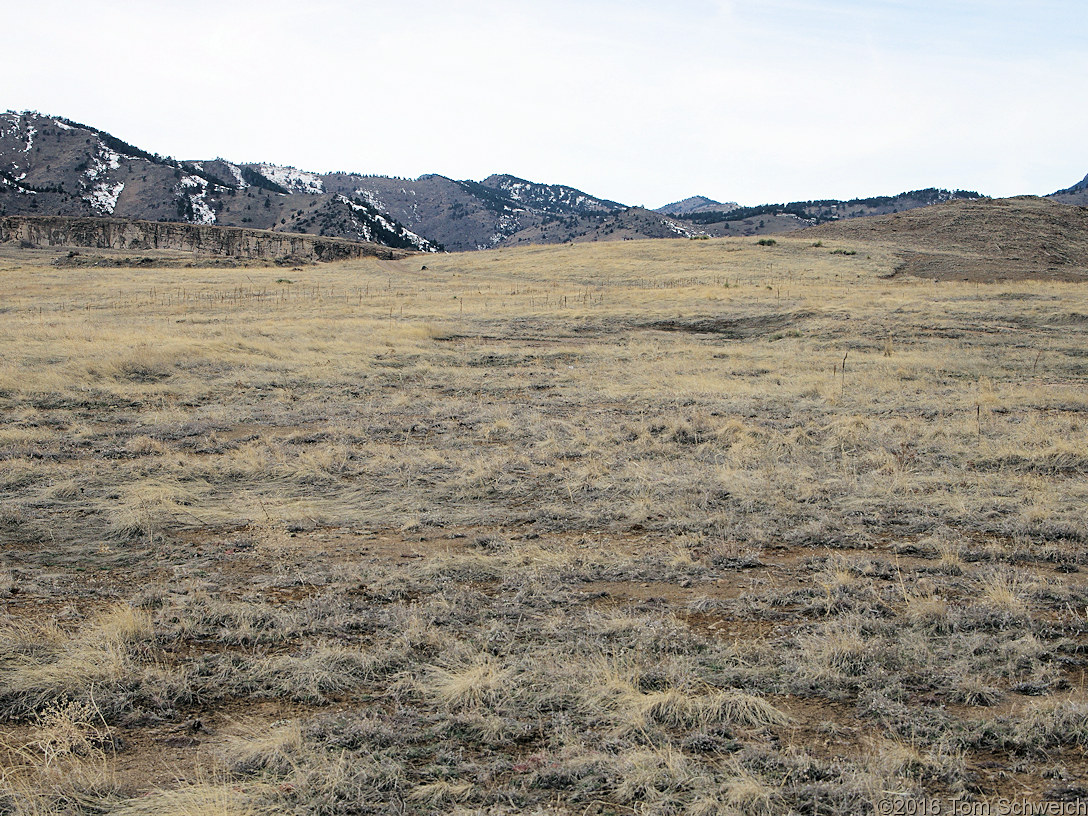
55, 166
696, 204
1076, 194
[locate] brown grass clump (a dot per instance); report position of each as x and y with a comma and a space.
45, 666
67, 759
262, 751
676, 708
477, 684
201, 799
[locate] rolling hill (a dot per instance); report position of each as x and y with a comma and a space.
696, 204
984, 240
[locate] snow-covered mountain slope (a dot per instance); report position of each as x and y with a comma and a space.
53, 166
548, 198
290, 179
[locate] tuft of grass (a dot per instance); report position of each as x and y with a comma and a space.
71, 729
653, 775
950, 557
66, 764
479, 683
262, 750
839, 650
46, 667
929, 611
680, 709
199, 799
1001, 590
442, 792
748, 793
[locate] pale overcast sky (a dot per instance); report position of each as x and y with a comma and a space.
642, 102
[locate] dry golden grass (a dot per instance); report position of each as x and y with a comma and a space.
669, 526
201, 799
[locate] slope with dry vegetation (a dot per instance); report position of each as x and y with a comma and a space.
980, 240
651, 527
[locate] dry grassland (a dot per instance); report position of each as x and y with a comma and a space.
676, 527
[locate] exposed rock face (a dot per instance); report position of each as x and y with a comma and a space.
200, 239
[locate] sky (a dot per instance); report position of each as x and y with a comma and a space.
755, 101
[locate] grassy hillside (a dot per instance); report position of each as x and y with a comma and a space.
985, 240
689, 526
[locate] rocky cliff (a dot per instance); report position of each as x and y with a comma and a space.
199, 239
53, 166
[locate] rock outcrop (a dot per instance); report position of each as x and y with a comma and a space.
198, 239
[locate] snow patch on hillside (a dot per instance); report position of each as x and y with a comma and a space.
547, 197
515, 190
104, 160
296, 181
679, 229
103, 197
202, 212
196, 190
98, 191
508, 225
371, 215
372, 199
15, 185
18, 129
61, 125
236, 171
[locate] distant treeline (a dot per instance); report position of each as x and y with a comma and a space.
824, 210
492, 199
46, 188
